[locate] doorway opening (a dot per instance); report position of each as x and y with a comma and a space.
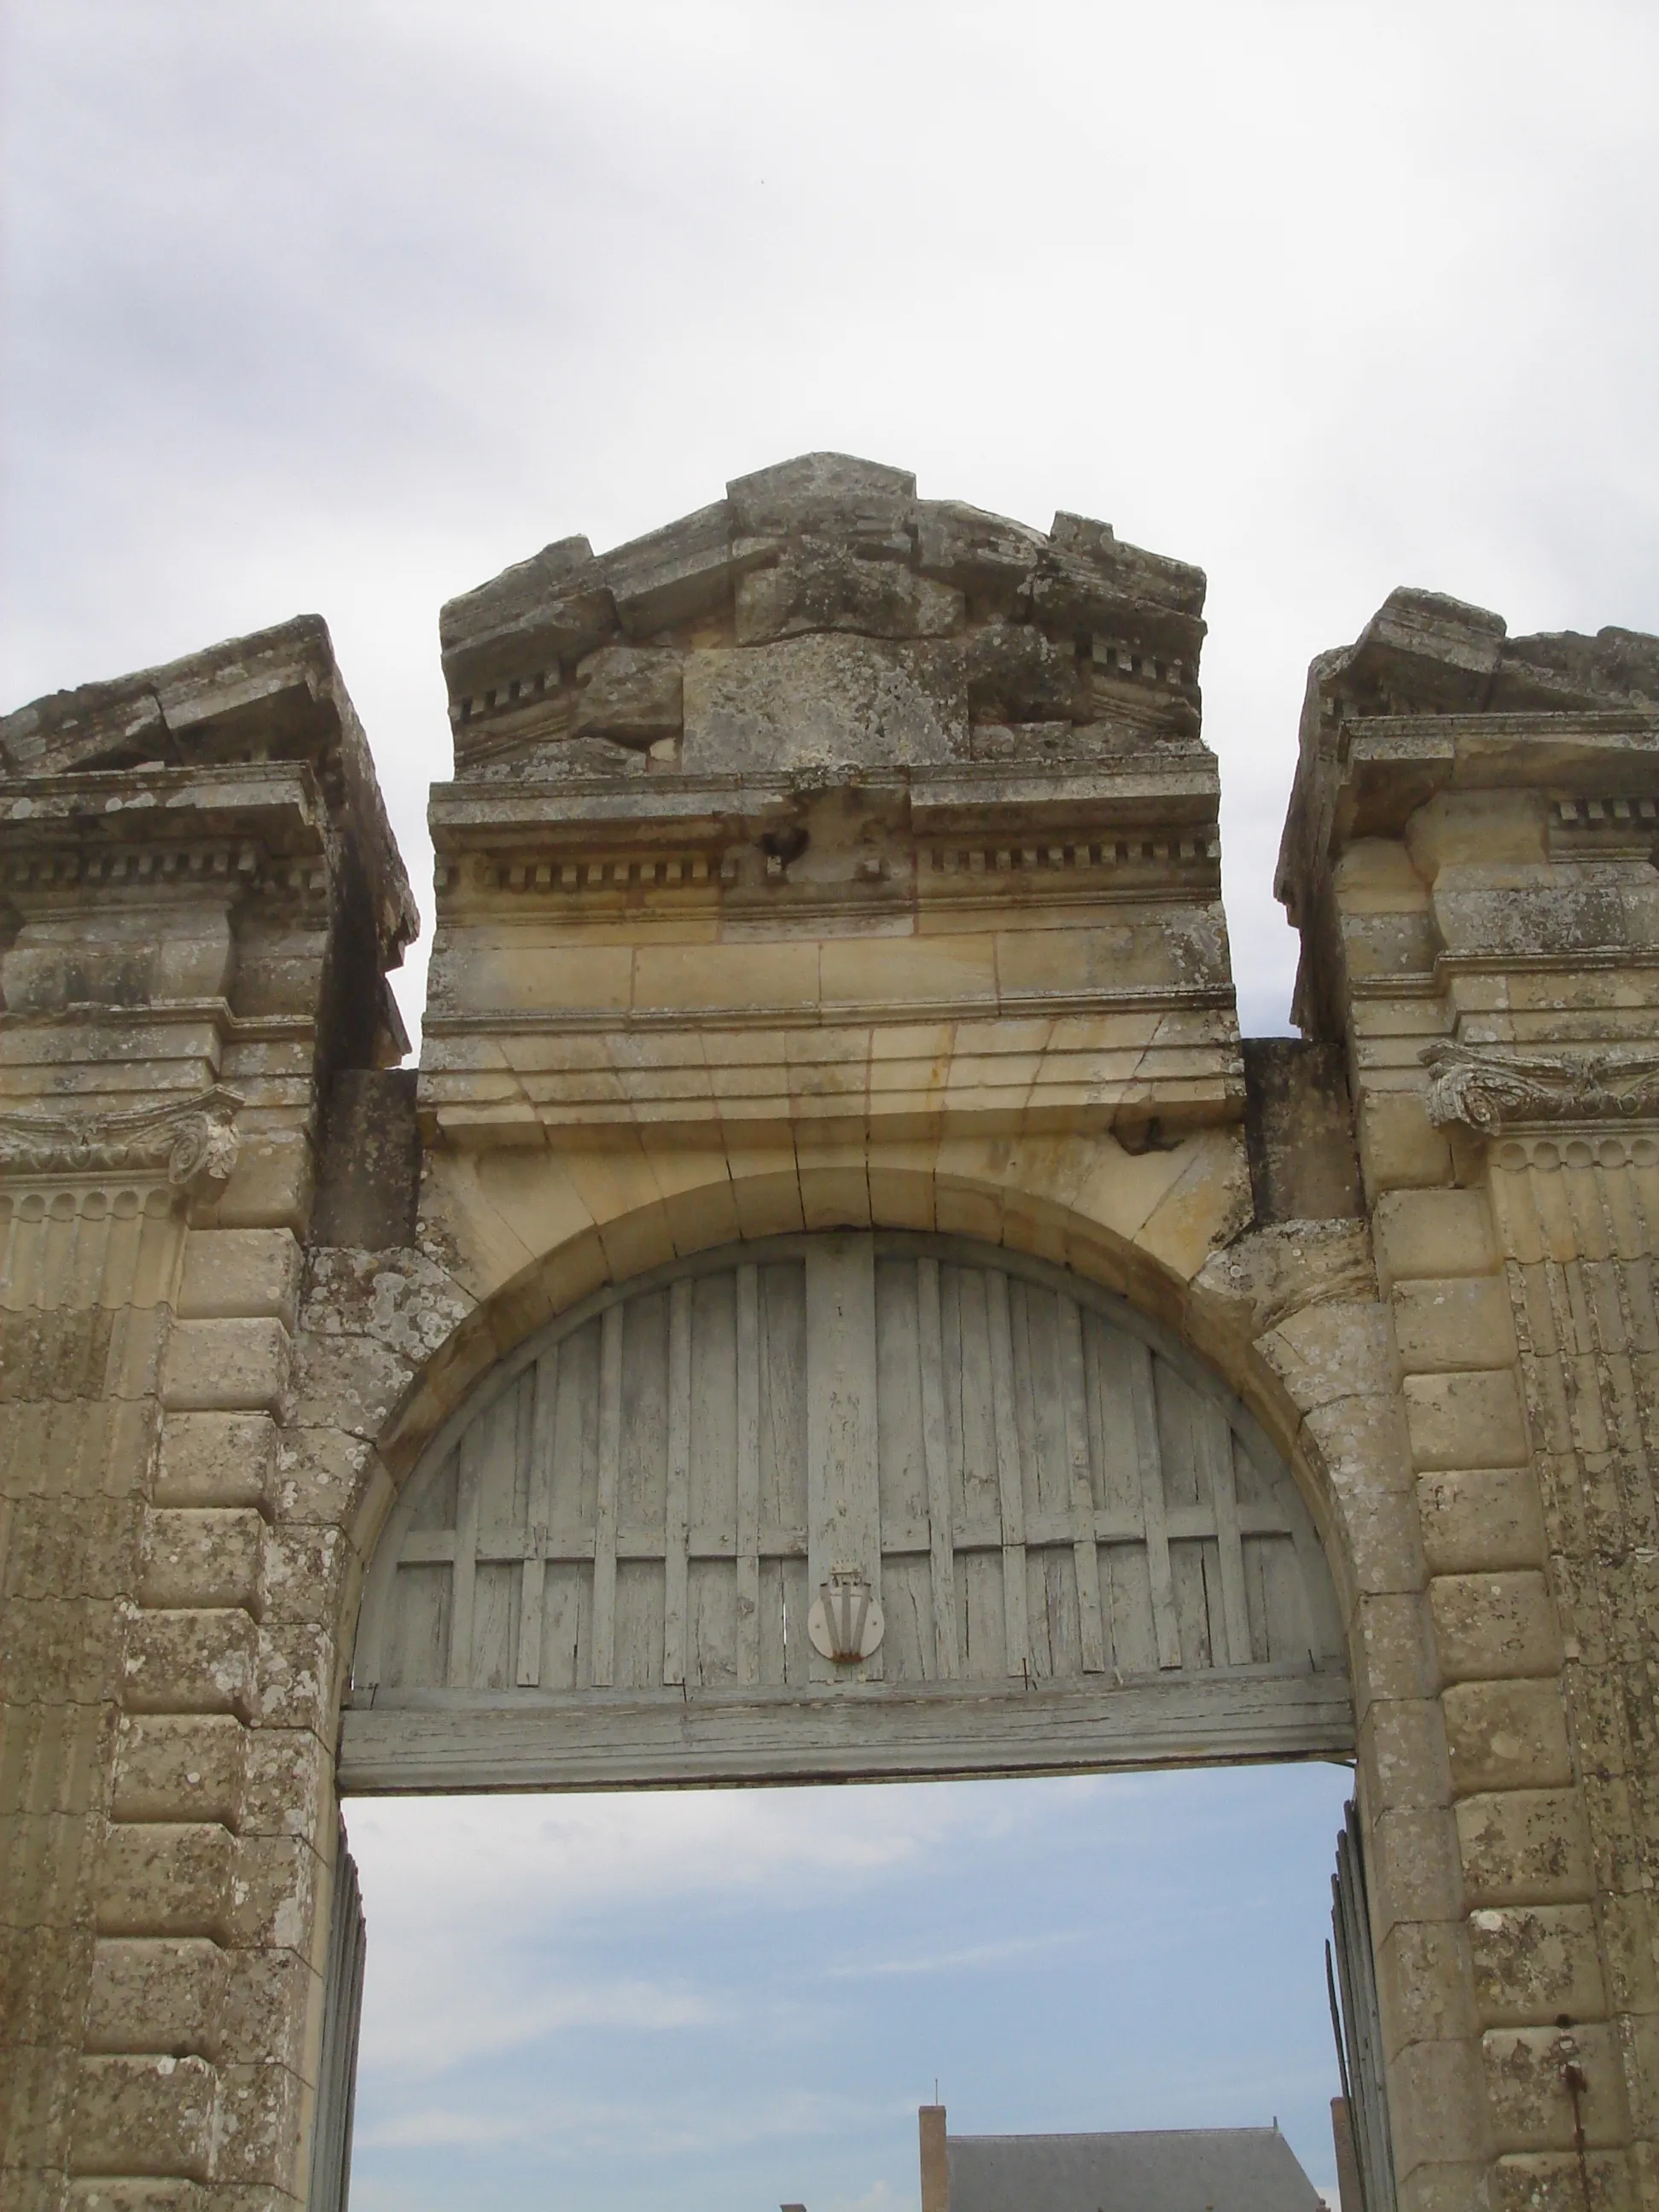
739, 1999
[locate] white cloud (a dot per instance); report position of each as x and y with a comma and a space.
565, 2128
472, 1902
948, 1962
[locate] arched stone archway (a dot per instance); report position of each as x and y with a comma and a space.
841, 864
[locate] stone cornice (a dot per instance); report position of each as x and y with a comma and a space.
1177, 789
1488, 1090
279, 802
191, 1144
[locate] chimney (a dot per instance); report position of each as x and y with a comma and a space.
1347, 2166
935, 2165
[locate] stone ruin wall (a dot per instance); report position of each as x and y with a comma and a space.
830, 858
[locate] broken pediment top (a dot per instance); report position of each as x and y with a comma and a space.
274, 696
773, 497
124, 720
823, 591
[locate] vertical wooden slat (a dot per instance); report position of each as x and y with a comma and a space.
936, 1449
843, 1494
1212, 1440
336, 2071
1087, 1552
609, 1469
677, 1502
1149, 1457
538, 1511
464, 1572
748, 1531
1009, 1480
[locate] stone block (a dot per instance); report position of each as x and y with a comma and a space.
1422, 1984
1442, 2185
348, 1382
1531, 2109
1400, 1148
369, 1178
1403, 1744
1394, 1653
237, 1274
1466, 1421
1483, 1517
71, 1546
223, 1366
1363, 1443
130, 2192
144, 2116
1534, 1963
984, 556
297, 1669
1627, 1955
1379, 1536
1507, 1735
1454, 1322
307, 1565
1524, 1847
201, 1556
172, 1879
59, 1651
44, 1967
194, 1660
1432, 1232
268, 1998
1493, 1626
820, 585
1437, 2104
631, 695
822, 701
159, 1994
1559, 2181
823, 491
176, 1767
259, 2123
57, 1355
215, 1459
1299, 1130
321, 1475
400, 1298
1325, 1352
288, 1790
270, 1187
274, 1891
674, 574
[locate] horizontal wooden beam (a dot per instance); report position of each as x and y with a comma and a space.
435, 1739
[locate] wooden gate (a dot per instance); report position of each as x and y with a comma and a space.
1081, 1550
337, 2068
1358, 2025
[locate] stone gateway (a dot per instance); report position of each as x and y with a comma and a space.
839, 1297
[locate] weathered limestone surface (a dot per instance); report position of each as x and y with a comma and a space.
832, 858
200, 899
1470, 855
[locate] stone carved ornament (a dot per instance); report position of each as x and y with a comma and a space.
191, 1141
1488, 1090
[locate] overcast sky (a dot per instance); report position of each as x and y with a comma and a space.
343, 306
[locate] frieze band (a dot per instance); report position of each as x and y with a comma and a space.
192, 1142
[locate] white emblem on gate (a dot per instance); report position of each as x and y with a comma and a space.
845, 1623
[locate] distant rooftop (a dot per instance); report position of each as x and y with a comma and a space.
1167, 2170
